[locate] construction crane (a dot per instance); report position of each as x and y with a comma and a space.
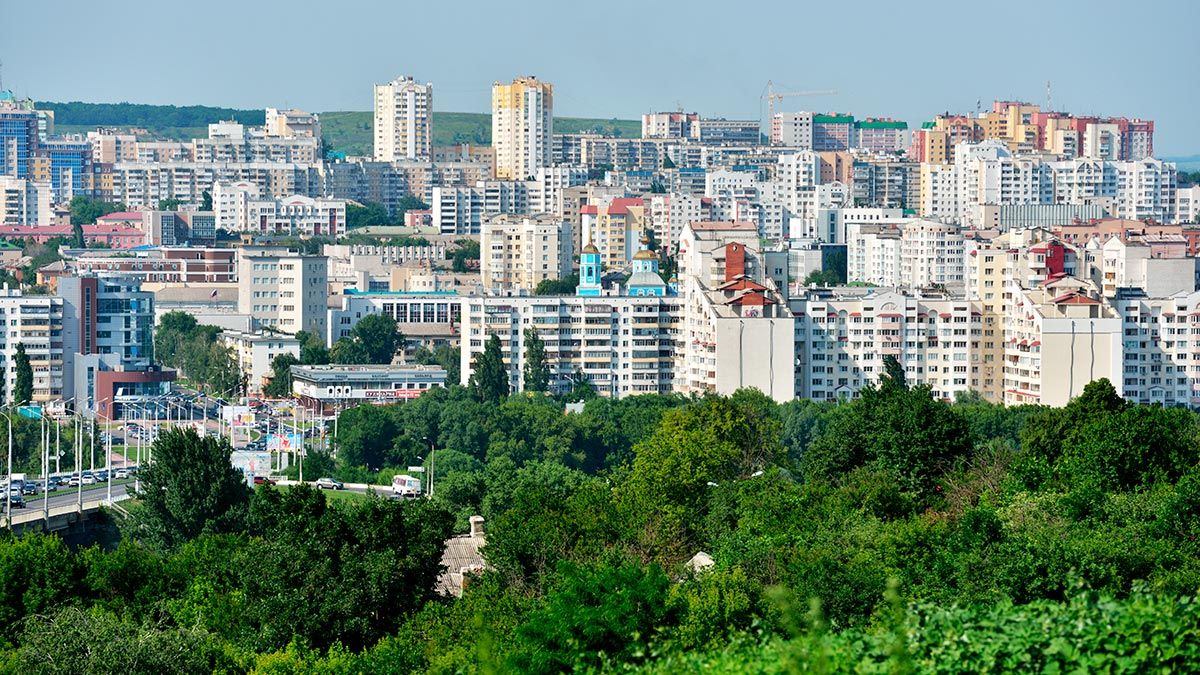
772, 96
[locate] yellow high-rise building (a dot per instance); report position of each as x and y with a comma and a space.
522, 126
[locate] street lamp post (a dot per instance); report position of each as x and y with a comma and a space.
8, 489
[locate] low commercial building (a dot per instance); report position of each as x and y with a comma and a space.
327, 388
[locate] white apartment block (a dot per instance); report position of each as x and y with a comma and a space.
736, 330
457, 210
403, 120
673, 125
987, 173
1156, 264
282, 289
519, 252
1161, 351
1058, 338
37, 322
522, 127
931, 254
622, 345
1187, 204
25, 202
873, 254
843, 335
668, 214
144, 184
254, 353
792, 130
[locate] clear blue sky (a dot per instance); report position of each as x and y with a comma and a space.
619, 59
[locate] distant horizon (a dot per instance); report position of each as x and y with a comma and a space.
909, 63
1190, 159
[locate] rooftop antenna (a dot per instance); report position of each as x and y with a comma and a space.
1, 76
1049, 99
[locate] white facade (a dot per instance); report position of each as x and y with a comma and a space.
238, 208
987, 173
792, 129
1160, 362
457, 210
622, 345
403, 120
843, 335
254, 353
282, 289
1187, 204
24, 202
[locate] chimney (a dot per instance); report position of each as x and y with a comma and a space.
477, 527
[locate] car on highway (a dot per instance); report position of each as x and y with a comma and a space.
29, 488
16, 501
88, 479
263, 480
73, 481
329, 484
120, 474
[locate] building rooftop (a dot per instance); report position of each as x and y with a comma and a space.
722, 225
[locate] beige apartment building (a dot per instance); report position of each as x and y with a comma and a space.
519, 252
403, 120
522, 127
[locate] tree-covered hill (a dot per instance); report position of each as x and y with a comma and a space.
344, 131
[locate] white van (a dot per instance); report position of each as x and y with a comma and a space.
406, 486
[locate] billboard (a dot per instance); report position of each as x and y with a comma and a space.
237, 415
251, 463
33, 412
390, 394
284, 442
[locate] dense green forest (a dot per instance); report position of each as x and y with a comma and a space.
145, 115
894, 533
343, 131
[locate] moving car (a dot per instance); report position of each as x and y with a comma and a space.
29, 488
15, 500
89, 479
329, 484
263, 480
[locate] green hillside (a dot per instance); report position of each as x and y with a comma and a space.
344, 131
350, 131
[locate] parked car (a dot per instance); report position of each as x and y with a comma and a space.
329, 484
263, 480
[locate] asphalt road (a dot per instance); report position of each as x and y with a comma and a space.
67, 496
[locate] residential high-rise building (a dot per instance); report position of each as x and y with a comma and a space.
24, 202
18, 138
522, 126
677, 125
403, 120
792, 130
522, 251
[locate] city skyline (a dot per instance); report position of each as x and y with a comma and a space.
687, 66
